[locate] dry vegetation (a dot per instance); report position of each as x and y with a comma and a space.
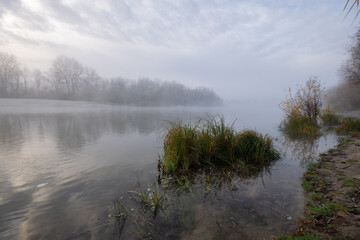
302, 110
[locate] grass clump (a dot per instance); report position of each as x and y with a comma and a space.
308, 186
300, 126
311, 167
307, 236
325, 210
315, 196
351, 183
344, 141
329, 118
348, 126
213, 143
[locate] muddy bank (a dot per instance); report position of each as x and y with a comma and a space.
332, 198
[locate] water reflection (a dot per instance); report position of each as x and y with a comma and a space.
61, 167
303, 149
306, 150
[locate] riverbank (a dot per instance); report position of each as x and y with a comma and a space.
332, 198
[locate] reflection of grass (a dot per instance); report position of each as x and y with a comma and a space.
300, 126
349, 125
190, 147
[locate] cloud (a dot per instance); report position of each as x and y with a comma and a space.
226, 45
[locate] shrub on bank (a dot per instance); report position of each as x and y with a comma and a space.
349, 125
300, 126
302, 110
213, 143
329, 117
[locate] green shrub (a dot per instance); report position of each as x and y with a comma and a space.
212, 143
328, 117
300, 126
349, 125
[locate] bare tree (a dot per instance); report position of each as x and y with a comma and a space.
350, 70
10, 72
38, 79
66, 75
89, 84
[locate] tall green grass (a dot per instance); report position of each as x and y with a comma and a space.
211, 142
349, 125
300, 126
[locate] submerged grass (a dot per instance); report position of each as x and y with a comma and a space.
213, 143
349, 125
300, 126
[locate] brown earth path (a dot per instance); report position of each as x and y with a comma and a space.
332, 200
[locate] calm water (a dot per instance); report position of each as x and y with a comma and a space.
62, 164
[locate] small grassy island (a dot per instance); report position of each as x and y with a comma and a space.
211, 143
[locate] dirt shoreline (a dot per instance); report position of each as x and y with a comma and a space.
332, 193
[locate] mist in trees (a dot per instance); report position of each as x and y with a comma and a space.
346, 96
67, 79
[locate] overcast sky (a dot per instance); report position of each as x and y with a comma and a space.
240, 49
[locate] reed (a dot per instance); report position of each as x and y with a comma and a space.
211, 142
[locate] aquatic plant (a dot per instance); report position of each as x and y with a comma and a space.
210, 143
151, 200
329, 117
349, 125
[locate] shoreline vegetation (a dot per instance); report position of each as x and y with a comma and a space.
332, 190
302, 110
331, 186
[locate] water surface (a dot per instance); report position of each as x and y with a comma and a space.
63, 163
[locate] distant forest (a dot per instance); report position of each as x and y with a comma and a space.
67, 79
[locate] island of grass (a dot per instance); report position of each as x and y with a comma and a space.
212, 144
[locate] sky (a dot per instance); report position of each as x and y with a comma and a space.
240, 49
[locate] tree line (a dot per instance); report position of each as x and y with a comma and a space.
67, 79
346, 95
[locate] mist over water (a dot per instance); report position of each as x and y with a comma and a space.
63, 163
